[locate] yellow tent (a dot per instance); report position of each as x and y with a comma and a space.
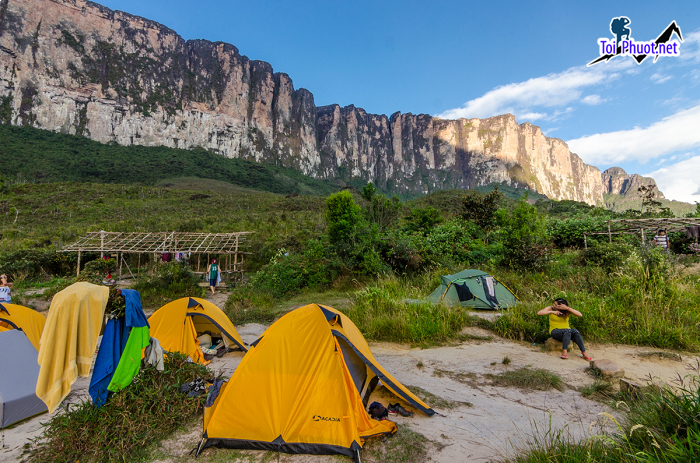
177, 323
300, 389
22, 318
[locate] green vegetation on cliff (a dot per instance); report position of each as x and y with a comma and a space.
39, 156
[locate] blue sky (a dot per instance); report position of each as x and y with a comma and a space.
480, 59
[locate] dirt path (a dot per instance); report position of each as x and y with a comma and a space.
477, 421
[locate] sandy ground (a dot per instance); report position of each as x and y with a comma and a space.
485, 422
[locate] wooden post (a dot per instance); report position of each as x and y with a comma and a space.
120, 256
102, 244
198, 257
609, 234
235, 256
643, 237
138, 269
78, 272
585, 241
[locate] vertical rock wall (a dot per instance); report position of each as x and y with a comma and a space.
80, 68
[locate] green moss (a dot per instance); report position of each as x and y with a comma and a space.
6, 109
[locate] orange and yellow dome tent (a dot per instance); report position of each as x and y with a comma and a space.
18, 317
300, 389
177, 323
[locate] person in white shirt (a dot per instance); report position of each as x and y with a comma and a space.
5, 289
661, 239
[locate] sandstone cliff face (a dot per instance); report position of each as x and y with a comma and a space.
77, 67
617, 182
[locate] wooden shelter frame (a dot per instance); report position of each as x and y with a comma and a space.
643, 227
229, 244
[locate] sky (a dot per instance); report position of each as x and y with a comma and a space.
456, 59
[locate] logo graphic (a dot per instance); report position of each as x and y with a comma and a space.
625, 45
325, 418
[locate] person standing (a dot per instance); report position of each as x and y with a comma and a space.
661, 239
5, 295
213, 275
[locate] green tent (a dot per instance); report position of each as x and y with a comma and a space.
473, 288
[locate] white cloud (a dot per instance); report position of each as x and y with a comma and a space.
690, 48
660, 78
679, 181
593, 100
552, 90
677, 132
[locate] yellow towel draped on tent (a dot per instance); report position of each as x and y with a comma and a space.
69, 340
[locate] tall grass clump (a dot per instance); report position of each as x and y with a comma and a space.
383, 311
644, 301
168, 281
662, 424
150, 409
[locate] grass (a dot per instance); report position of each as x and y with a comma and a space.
599, 389
662, 355
528, 378
661, 426
57, 214
405, 446
382, 313
635, 305
122, 430
506, 360
435, 401
38, 155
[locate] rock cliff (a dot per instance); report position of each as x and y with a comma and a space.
78, 67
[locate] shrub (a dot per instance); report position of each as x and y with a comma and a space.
422, 220
524, 236
569, 232
169, 281
608, 256
481, 209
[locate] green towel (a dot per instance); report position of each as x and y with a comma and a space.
130, 362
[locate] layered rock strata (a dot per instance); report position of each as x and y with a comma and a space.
80, 68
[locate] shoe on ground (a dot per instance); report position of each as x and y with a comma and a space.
397, 408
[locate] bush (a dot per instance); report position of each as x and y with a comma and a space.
608, 256
169, 281
289, 273
96, 271
37, 263
569, 232
522, 232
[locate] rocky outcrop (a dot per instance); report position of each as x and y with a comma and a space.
617, 182
78, 67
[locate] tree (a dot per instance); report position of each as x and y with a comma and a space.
482, 209
650, 205
524, 236
342, 216
380, 210
423, 220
